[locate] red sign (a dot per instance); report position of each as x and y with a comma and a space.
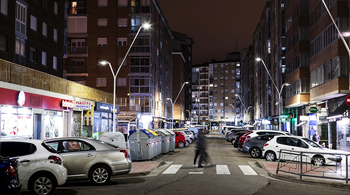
347, 100
67, 104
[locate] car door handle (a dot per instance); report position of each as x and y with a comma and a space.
24, 161
89, 155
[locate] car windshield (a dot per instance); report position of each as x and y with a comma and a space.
312, 143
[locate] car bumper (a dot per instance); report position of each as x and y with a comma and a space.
61, 175
123, 167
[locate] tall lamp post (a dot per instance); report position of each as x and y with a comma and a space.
278, 91
104, 62
172, 103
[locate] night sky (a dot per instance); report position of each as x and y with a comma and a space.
217, 27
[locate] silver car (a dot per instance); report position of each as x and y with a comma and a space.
86, 158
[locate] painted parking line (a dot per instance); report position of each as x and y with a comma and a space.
172, 169
247, 170
222, 170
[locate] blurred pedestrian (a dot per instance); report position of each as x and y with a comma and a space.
316, 137
200, 149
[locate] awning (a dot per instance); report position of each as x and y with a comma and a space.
340, 110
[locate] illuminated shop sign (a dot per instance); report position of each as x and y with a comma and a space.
21, 98
67, 104
82, 105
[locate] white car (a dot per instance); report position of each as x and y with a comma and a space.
317, 156
190, 134
40, 168
267, 132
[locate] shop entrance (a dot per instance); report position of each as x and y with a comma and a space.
37, 126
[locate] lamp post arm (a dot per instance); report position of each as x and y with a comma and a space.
179, 92
110, 66
132, 43
273, 82
341, 36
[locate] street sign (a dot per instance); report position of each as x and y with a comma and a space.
313, 109
347, 100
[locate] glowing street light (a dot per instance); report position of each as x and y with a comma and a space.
104, 62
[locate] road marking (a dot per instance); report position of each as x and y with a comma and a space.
247, 170
222, 170
196, 173
172, 169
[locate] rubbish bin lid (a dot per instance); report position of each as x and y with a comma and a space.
148, 133
153, 132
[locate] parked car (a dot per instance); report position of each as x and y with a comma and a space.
233, 134
95, 160
40, 166
180, 140
187, 138
229, 130
271, 150
255, 133
190, 135
241, 140
254, 145
9, 180
194, 130
238, 135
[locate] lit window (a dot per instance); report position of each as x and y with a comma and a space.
32, 22
43, 58
102, 3
101, 82
55, 35
121, 82
54, 62
44, 29
102, 22
102, 42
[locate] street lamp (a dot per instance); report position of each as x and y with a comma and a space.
172, 103
278, 91
104, 62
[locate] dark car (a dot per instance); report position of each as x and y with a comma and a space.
235, 142
254, 145
9, 181
233, 134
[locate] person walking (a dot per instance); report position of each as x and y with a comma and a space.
200, 149
316, 137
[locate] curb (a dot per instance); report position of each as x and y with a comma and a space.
306, 180
140, 173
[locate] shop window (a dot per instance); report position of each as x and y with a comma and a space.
16, 121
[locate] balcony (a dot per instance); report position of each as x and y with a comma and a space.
74, 51
77, 10
76, 71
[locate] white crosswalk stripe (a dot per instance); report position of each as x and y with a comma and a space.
247, 170
172, 169
222, 170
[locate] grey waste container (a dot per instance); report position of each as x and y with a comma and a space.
165, 140
172, 140
145, 150
157, 145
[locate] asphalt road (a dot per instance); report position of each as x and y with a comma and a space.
229, 174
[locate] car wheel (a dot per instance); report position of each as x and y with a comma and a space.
270, 156
100, 175
181, 144
187, 144
255, 152
318, 161
42, 184
233, 142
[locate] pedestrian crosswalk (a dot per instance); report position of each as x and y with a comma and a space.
220, 170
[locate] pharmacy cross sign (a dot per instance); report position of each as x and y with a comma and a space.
347, 100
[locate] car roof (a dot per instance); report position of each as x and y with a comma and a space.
36, 141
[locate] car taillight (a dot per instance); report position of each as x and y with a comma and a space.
56, 160
266, 144
126, 154
248, 136
11, 171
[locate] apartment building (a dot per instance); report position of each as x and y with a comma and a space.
268, 58
182, 61
104, 30
201, 80
32, 34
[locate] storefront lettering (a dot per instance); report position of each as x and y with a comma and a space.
83, 105
21, 98
104, 107
67, 104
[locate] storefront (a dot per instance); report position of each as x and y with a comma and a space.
103, 117
28, 112
80, 108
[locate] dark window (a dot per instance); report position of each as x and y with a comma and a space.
32, 54
14, 149
283, 140
3, 42
45, 3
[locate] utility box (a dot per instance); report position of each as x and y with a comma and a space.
165, 140
145, 149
